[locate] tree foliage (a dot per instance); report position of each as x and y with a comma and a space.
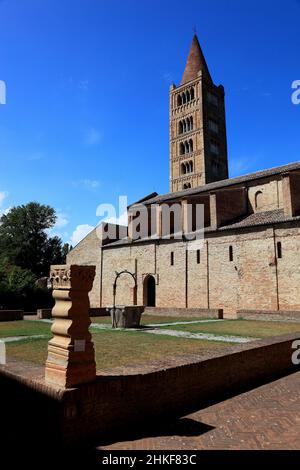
25, 241
26, 253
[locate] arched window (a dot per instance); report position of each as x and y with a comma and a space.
179, 100
184, 125
187, 147
191, 123
191, 145
183, 169
188, 96
258, 199
183, 98
182, 149
191, 166
180, 127
192, 93
149, 291
187, 186
188, 124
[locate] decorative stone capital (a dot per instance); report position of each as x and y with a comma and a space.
71, 356
72, 277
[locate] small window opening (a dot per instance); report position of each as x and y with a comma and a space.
230, 253
279, 250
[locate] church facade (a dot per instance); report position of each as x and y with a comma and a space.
250, 256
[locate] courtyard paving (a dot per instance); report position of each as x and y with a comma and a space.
266, 418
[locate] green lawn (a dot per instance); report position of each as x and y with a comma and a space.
119, 348
24, 328
251, 328
103, 319
150, 319
122, 348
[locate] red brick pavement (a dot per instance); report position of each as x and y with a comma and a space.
265, 418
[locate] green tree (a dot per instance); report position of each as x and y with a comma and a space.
24, 239
19, 289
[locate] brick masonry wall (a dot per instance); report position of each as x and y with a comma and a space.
113, 403
255, 279
277, 315
271, 197
188, 312
10, 315
88, 252
288, 268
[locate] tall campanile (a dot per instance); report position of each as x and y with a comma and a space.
198, 143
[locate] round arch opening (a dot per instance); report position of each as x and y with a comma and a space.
149, 291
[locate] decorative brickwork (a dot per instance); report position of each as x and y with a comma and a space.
198, 145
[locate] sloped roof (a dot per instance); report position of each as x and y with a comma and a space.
227, 183
195, 62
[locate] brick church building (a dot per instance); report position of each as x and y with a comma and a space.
250, 258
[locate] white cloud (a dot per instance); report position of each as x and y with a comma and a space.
61, 220
3, 195
79, 233
87, 184
6, 211
90, 184
92, 137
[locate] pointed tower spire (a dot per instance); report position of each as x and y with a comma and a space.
195, 62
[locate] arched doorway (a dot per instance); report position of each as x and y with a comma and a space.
149, 291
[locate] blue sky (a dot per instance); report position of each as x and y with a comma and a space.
86, 118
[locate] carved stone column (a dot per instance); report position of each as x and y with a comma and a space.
71, 356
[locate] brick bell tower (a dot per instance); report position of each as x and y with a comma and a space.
198, 143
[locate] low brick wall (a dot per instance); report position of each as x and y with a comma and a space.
269, 315
113, 403
43, 313
98, 312
184, 312
11, 315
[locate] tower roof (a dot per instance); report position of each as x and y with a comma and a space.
195, 62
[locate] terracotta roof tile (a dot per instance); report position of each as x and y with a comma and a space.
225, 183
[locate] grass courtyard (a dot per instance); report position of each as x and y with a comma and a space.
115, 348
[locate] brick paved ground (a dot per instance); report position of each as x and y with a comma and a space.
265, 418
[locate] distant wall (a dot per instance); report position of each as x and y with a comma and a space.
184, 312
256, 278
11, 315
269, 315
